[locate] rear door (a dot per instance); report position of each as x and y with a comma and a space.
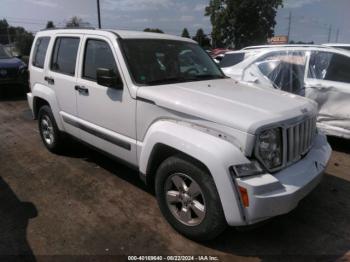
328, 83
106, 114
62, 77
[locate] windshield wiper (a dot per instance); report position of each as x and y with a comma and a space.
208, 77
166, 81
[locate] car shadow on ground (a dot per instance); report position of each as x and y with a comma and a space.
77, 149
14, 219
317, 230
13, 93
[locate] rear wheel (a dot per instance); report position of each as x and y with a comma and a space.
188, 199
49, 132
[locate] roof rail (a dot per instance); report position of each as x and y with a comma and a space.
67, 28
277, 46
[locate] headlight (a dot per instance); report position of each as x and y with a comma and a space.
270, 148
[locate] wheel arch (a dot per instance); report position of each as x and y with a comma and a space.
43, 95
160, 153
165, 138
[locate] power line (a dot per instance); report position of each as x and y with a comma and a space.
289, 24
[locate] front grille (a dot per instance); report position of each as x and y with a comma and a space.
9, 73
299, 139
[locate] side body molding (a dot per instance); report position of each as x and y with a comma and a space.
216, 154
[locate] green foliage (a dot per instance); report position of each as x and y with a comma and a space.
202, 39
23, 40
185, 33
154, 30
50, 24
242, 22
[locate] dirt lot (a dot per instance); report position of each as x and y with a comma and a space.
82, 205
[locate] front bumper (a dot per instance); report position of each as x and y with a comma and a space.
272, 195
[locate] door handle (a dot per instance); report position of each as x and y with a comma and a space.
82, 90
49, 80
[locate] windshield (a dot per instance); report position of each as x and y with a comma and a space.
3, 53
156, 62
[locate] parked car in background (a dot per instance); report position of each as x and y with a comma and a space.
318, 72
13, 72
216, 152
338, 45
218, 53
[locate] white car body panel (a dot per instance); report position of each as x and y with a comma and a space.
332, 97
215, 122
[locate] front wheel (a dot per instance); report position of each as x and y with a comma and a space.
188, 199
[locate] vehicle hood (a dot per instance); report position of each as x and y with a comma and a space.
10, 63
230, 103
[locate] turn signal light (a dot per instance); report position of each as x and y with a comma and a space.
244, 196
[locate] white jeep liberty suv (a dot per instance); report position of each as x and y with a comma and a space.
217, 152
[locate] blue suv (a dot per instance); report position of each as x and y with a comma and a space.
13, 71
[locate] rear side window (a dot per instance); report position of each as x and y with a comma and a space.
64, 55
98, 54
39, 55
329, 66
231, 59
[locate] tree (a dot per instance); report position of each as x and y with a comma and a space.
202, 39
4, 34
50, 24
185, 33
242, 22
76, 21
154, 30
23, 41
16, 35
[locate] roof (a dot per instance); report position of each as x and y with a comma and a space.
124, 34
280, 46
336, 44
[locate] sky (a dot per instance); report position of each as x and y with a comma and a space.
311, 19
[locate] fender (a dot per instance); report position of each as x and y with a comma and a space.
49, 95
215, 153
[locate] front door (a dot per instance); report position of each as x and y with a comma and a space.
106, 114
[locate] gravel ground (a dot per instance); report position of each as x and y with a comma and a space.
83, 206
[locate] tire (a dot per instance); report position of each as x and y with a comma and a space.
195, 212
49, 132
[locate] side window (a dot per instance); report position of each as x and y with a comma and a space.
329, 66
64, 55
285, 70
39, 55
232, 59
98, 54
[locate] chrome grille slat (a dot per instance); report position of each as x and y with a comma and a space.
299, 139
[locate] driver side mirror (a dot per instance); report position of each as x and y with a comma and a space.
106, 77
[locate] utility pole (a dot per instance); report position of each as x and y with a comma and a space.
337, 37
329, 33
99, 14
8, 35
289, 24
